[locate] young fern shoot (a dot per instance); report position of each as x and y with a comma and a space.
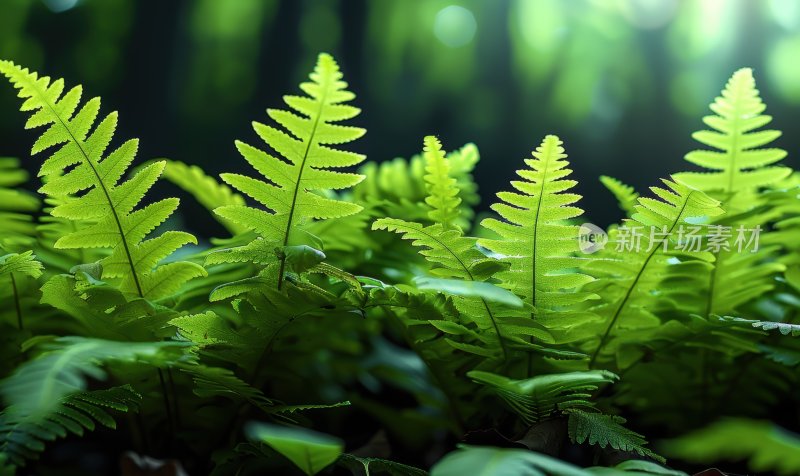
630, 267
87, 184
742, 166
538, 244
299, 173
452, 255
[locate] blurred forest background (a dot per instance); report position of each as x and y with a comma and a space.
623, 82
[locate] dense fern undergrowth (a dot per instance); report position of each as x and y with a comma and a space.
361, 318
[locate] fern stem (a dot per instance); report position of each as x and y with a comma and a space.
175, 404
534, 244
100, 183
167, 408
635, 281
17, 305
464, 267
299, 181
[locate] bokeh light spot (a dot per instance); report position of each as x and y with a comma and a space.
455, 26
784, 69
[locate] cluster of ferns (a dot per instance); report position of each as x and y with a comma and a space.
361, 318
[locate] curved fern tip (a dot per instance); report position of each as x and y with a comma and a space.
326, 62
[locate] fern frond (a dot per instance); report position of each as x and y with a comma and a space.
783, 328
536, 399
205, 189
23, 436
16, 205
442, 191
20, 263
218, 382
39, 384
12, 267
625, 194
398, 188
606, 430
304, 164
634, 262
452, 255
740, 162
88, 182
536, 241
455, 257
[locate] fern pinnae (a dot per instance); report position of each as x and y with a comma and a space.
306, 163
741, 165
537, 243
740, 161
23, 264
444, 244
535, 240
106, 210
442, 191
678, 203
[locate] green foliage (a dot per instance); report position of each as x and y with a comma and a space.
484, 461
205, 189
308, 450
24, 435
541, 265
20, 263
740, 162
105, 211
606, 430
315, 313
766, 447
538, 398
626, 278
37, 386
304, 165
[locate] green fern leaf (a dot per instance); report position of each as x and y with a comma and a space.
105, 212
536, 241
743, 166
606, 430
631, 266
23, 435
12, 267
442, 191
306, 165
452, 255
310, 451
740, 162
784, 328
37, 385
22, 264
219, 382
398, 187
536, 399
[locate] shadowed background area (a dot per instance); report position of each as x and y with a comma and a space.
624, 83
